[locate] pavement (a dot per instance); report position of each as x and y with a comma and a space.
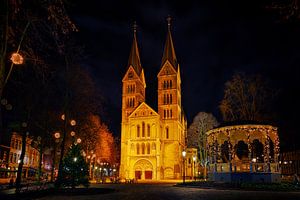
167, 191
160, 191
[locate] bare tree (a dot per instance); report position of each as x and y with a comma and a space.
247, 98
202, 123
288, 10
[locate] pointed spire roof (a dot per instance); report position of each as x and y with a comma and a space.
134, 56
169, 51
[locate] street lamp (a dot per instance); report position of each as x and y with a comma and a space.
183, 156
57, 140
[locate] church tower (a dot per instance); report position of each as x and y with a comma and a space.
170, 109
133, 94
134, 85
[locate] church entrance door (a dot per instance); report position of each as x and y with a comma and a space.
138, 174
148, 174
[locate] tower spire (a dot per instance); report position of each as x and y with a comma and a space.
134, 56
169, 51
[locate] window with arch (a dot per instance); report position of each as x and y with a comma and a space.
143, 129
170, 102
138, 131
138, 148
143, 148
148, 148
167, 132
148, 130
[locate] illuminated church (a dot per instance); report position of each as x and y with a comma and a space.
152, 140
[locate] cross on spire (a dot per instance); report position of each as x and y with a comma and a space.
169, 18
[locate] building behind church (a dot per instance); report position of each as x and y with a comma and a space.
152, 140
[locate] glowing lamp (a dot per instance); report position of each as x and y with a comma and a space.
194, 158
72, 133
184, 153
73, 122
16, 59
78, 140
57, 135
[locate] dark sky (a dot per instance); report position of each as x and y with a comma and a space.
213, 40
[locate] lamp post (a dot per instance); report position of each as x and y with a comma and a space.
194, 162
57, 140
183, 167
39, 141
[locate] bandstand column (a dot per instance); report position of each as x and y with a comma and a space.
249, 152
276, 153
215, 155
229, 151
268, 152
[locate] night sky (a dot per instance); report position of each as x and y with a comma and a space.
213, 40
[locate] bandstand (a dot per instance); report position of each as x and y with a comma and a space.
243, 153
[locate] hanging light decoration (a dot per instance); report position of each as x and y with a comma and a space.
17, 59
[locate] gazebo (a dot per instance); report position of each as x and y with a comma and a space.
243, 153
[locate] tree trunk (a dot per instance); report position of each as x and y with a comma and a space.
205, 172
21, 163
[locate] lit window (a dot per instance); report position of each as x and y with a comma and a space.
148, 131
138, 131
143, 148
167, 132
143, 129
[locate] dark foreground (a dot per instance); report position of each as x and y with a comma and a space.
169, 192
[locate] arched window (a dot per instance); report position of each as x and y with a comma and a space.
165, 101
143, 148
167, 132
133, 102
138, 131
148, 148
137, 148
143, 129
171, 113
170, 98
165, 114
148, 130
170, 83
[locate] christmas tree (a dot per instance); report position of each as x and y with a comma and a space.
75, 169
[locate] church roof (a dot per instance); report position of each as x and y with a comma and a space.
134, 56
169, 51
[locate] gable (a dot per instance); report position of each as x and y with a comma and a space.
130, 74
167, 69
143, 110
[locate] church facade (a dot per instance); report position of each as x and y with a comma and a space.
152, 140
